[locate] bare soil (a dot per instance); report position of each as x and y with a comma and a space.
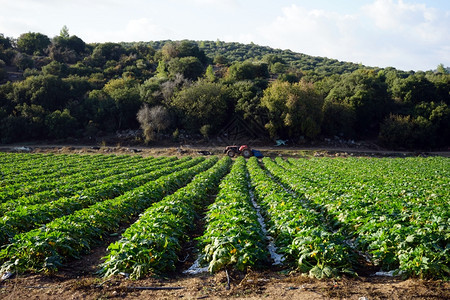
78, 279
196, 150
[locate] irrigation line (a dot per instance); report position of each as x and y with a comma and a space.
276, 258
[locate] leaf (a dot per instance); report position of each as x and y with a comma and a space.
315, 272
410, 239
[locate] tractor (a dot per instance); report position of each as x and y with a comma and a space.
232, 151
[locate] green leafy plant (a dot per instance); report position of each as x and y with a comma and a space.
47, 248
233, 236
152, 245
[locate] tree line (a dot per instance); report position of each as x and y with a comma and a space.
72, 89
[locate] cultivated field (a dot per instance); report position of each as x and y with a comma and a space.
117, 220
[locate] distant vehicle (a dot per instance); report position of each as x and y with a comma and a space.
243, 150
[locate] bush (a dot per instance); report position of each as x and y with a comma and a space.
60, 124
407, 132
338, 120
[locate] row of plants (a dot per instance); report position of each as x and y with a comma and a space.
104, 174
233, 237
397, 209
153, 244
10, 159
67, 175
25, 218
24, 171
47, 248
290, 181
299, 231
16, 163
37, 169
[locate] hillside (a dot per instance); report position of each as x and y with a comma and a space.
59, 88
238, 52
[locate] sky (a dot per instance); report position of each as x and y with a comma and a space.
405, 34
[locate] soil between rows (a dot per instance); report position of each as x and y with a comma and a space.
253, 285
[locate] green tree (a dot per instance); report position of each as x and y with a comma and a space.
125, 94
106, 52
13, 128
338, 119
190, 67
271, 59
438, 115
60, 124
414, 89
294, 109
64, 45
2, 70
150, 91
64, 32
48, 91
145, 51
203, 103
100, 111
209, 74
169, 51
161, 70
247, 71
55, 68
278, 68
189, 48
77, 86
5, 43
365, 92
406, 132
441, 82
34, 118
33, 43
441, 69
220, 59
247, 98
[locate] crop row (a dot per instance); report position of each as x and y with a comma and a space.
233, 236
299, 231
153, 243
74, 186
49, 170
15, 163
46, 248
396, 209
24, 218
67, 176
35, 163
10, 162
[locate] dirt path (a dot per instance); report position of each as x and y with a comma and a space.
270, 151
254, 285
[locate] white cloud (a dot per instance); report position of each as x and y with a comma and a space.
417, 21
398, 15
315, 32
383, 33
